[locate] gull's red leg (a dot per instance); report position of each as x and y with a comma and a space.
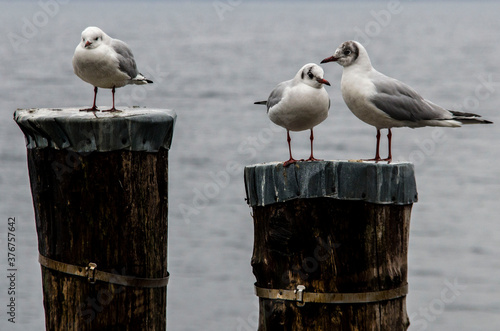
311, 158
389, 138
94, 108
112, 110
291, 160
377, 151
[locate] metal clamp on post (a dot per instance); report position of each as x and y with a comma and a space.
92, 274
301, 297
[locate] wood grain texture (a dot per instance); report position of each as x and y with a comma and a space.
111, 209
331, 245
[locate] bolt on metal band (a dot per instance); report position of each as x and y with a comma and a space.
93, 274
302, 297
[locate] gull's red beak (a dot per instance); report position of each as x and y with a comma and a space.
88, 43
330, 59
323, 81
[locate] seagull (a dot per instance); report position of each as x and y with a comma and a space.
299, 104
105, 62
385, 102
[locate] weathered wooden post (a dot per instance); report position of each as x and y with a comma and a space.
331, 243
99, 186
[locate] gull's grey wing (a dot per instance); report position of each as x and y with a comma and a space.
277, 94
403, 103
126, 61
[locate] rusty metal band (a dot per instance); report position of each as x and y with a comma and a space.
93, 274
301, 296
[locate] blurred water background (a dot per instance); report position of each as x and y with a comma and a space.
210, 60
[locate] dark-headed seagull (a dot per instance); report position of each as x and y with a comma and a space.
299, 104
385, 102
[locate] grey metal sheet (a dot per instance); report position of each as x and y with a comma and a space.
134, 129
379, 183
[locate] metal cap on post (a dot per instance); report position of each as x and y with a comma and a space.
331, 243
379, 183
100, 192
133, 129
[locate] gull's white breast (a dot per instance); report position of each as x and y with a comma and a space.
357, 89
301, 108
99, 67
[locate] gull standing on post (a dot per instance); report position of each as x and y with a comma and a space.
105, 62
299, 104
385, 102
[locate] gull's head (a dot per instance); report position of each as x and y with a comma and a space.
312, 75
92, 37
348, 53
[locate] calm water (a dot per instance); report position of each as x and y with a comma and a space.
210, 66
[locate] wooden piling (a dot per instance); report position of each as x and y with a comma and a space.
100, 192
331, 244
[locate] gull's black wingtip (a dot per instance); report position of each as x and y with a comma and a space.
260, 103
469, 118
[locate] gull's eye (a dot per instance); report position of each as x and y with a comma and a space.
347, 52
310, 75
96, 38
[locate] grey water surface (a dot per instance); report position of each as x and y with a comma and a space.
210, 60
